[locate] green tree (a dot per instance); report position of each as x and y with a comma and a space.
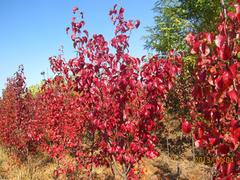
176, 18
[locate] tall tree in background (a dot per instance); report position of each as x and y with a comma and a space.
175, 18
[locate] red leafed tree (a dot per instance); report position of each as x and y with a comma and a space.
16, 114
104, 107
216, 92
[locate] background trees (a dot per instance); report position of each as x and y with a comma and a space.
175, 18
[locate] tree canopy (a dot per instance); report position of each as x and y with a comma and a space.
175, 18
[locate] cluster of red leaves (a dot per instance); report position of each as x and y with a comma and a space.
215, 110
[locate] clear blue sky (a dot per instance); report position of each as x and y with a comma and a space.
33, 30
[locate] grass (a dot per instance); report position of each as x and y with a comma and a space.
41, 167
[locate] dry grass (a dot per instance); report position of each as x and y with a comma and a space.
167, 168
40, 167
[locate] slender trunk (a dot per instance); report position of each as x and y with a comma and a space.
115, 168
124, 172
92, 151
168, 149
193, 149
225, 20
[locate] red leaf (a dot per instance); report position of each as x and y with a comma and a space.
237, 7
224, 81
130, 25
223, 169
171, 52
200, 132
230, 167
121, 11
234, 69
199, 143
186, 126
223, 149
224, 52
152, 154
231, 15
233, 95
86, 32
205, 50
67, 29
220, 40
190, 38
213, 141
209, 37
75, 9
195, 47
143, 58
227, 78
237, 133
137, 24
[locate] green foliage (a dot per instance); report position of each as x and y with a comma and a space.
176, 18
34, 89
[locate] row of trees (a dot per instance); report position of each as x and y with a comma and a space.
105, 108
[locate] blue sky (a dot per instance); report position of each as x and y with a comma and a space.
33, 30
